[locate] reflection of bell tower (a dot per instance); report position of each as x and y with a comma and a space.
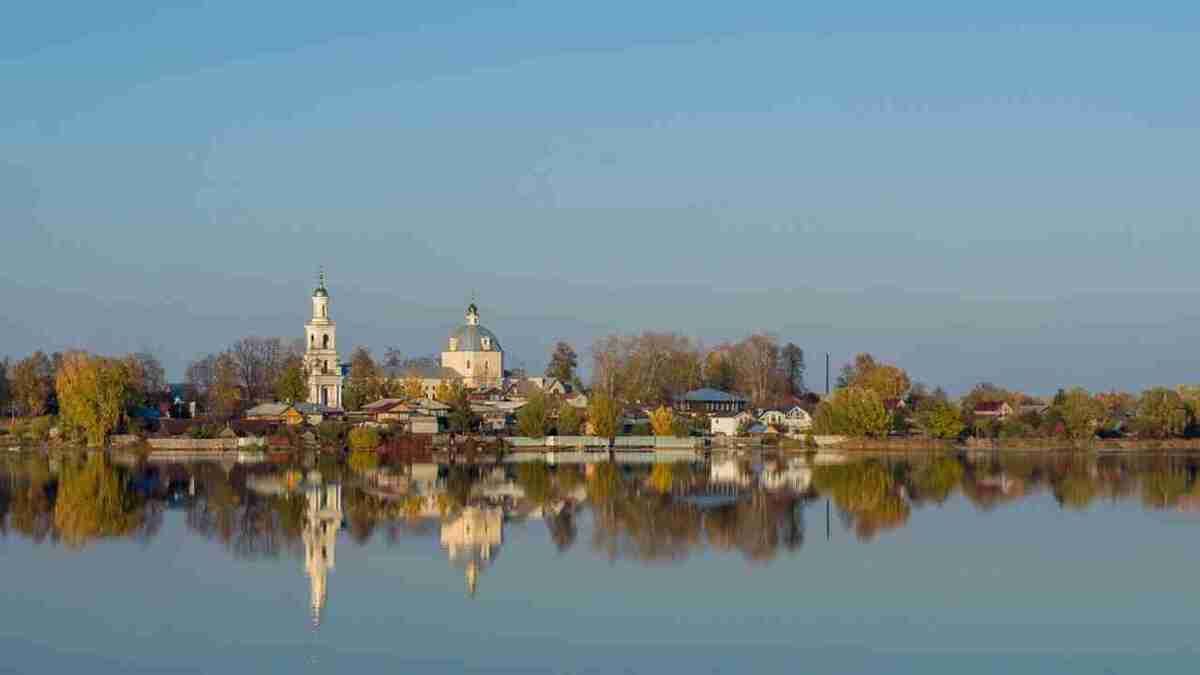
473, 539
322, 521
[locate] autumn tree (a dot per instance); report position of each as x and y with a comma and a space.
533, 420
759, 371
259, 361
292, 384
939, 419
33, 383
662, 421
885, 379
852, 411
93, 393
570, 420
1080, 414
719, 371
462, 417
563, 362
1161, 413
411, 388
604, 415
5, 390
793, 368
364, 384
149, 378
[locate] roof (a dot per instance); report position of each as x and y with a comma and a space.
990, 406
268, 410
423, 371
470, 338
710, 395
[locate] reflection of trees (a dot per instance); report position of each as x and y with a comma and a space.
31, 498
653, 526
247, 524
758, 527
563, 528
93, 502
866, 494
1164, 484
936, 480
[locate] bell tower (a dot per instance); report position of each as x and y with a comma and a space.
320, 351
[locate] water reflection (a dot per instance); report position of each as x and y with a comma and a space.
650, 513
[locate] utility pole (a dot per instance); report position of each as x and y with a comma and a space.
826, 373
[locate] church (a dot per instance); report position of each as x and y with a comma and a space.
472, 356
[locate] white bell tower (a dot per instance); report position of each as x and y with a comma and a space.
320, 352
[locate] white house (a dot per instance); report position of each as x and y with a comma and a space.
728, 424
793, 421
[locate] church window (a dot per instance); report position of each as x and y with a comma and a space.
312, 340
325, 341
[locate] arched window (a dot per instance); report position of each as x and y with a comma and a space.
324, 311
312, 340
324, 367
325, 341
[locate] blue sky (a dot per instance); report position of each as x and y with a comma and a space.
1002, 193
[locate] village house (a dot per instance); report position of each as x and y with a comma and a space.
792, 421
729, 425
291, 414
711, 401
999, 410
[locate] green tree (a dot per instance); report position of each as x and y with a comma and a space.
462, 418
533, 420
563, 362
570, 420
886, 380
604, 414
93, 394
939, 419
364, 384
1081, 414
33, 383
292, 384
1161, 413
853, 411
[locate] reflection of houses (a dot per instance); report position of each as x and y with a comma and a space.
794, 476
473, 539
323, 520
728, 473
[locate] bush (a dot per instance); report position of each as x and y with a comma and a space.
364, 438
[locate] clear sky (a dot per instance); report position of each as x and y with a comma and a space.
996, 192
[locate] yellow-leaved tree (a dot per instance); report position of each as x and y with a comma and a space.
662, 421
93, 393
411, 387
604, 416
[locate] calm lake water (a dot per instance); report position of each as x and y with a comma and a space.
828, 564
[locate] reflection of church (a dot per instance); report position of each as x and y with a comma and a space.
322, 521
473, 539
